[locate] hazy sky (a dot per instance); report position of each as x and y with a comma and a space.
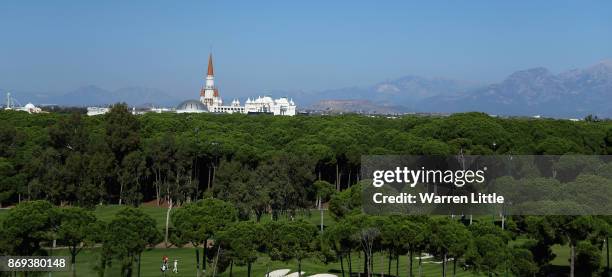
263, 45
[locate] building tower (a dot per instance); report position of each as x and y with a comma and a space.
209, 94
9, 102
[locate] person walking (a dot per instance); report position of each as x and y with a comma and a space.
175, 266
164, 265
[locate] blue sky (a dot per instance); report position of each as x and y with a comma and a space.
263, 45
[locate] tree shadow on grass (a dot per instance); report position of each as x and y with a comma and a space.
557, 270
356, 274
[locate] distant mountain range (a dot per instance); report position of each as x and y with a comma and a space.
405, 91
96, 96
349, 105
537, 91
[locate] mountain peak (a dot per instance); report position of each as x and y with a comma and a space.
88, 88
602, 69
535, 74
536, 71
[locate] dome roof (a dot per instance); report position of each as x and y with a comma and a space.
191, 106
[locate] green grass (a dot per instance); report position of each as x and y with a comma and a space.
3, 213
562, 253
152, 257
186, 257
106, 213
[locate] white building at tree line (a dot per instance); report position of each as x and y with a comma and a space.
12, 105
209, 96
266, 104
210, 102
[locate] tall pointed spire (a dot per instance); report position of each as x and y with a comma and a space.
210, 66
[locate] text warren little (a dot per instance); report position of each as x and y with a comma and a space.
432, 198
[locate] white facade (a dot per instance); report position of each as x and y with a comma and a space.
29, 107
91, 111
209, 96
233, 108
280, 106
210, 101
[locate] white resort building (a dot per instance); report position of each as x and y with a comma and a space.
91, 111
209, 96
266, 104
210, 102
11, 105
